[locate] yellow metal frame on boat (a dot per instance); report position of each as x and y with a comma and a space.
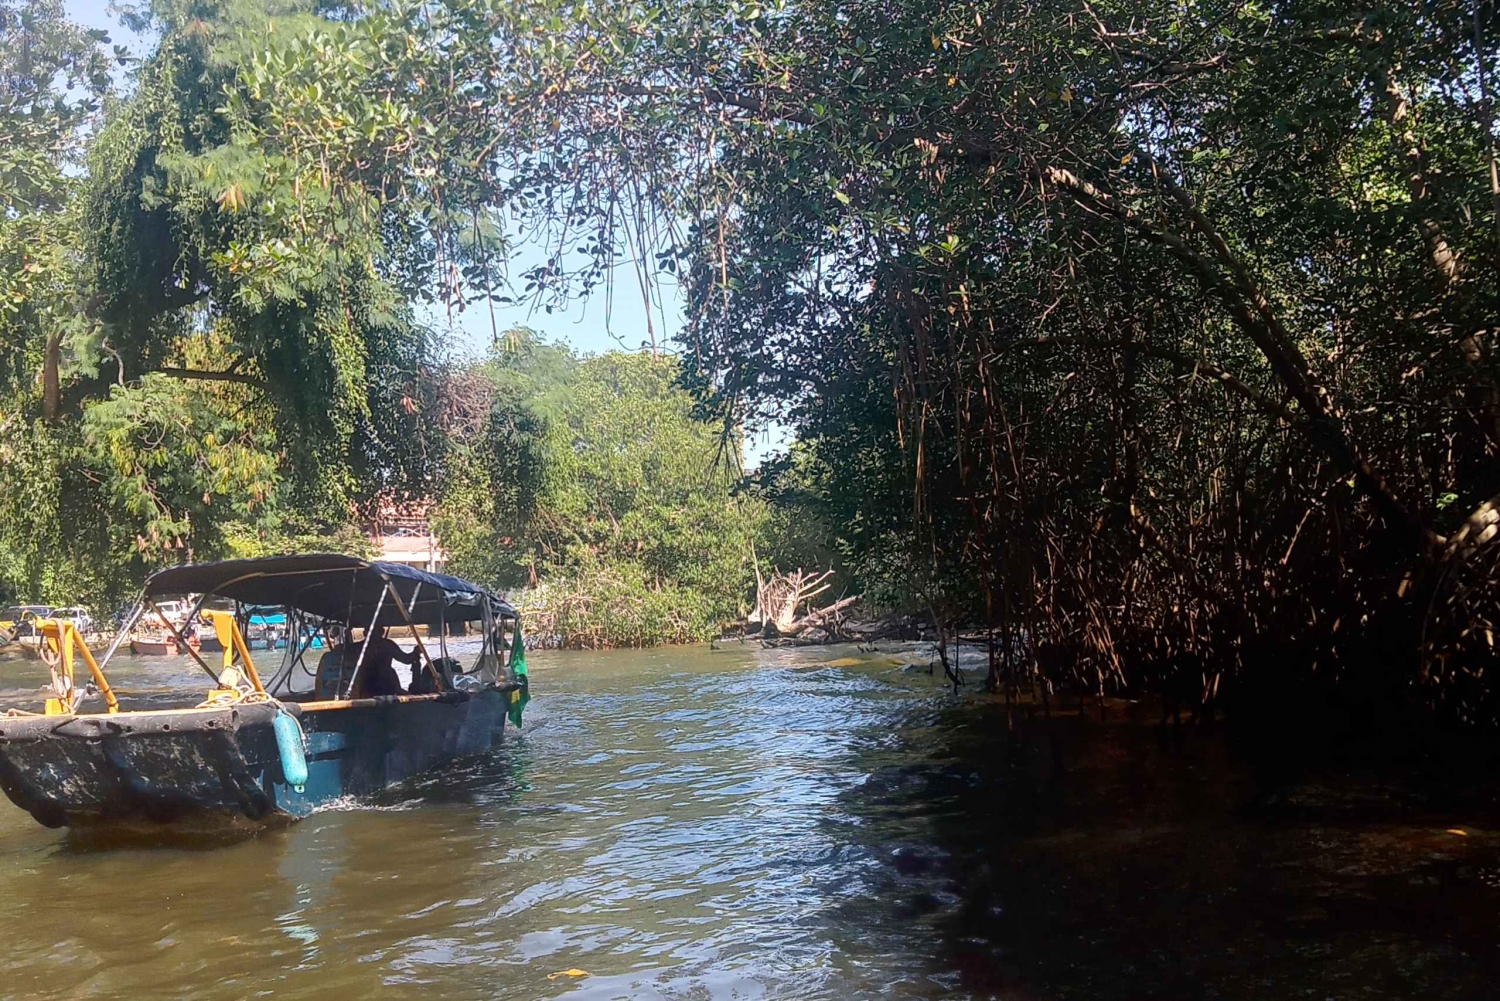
233, 642
60, 641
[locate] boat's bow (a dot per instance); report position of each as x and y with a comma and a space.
141, 768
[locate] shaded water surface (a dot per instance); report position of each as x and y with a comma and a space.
691, 823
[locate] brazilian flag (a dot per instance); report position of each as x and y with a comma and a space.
522, 695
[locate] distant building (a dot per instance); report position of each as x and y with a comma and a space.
401, 533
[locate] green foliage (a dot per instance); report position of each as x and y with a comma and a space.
294, 534
593, 604
195, 228
59, 540
52, 74
172, 461
220, 356
809, 524
592, 479
1112, 322
1119, 320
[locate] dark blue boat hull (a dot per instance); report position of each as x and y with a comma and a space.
214, 769
363, 749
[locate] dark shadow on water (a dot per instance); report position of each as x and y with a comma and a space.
1073, 858
88, 840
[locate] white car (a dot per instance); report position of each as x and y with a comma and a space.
82, 620
175, 612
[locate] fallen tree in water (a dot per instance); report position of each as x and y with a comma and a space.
780, 597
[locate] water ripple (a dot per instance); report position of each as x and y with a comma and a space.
668, 822
702, 824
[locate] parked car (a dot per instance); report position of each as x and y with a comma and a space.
82, 620
175, 613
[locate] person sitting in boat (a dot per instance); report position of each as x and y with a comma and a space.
377, 676
424, 683
336, 664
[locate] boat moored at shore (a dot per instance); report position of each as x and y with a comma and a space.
160, 644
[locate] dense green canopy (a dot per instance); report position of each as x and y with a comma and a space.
1152, 327
187, 401
214, 352
1149, 331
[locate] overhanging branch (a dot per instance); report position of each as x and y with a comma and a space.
226, 376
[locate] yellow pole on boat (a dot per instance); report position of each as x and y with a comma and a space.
60, 639
224, 624
431, 668
224, 630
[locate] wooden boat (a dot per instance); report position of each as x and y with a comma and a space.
161, 644
252, 754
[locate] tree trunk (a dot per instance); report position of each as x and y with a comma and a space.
50, 381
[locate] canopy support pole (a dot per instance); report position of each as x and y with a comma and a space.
129, 624
365, 646
491, 640
396, 597
182, 642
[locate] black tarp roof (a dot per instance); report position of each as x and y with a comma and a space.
342, 588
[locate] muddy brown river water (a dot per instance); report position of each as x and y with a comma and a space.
692, 823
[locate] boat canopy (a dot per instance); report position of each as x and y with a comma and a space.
341, 588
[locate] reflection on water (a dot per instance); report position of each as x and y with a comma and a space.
743, 823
